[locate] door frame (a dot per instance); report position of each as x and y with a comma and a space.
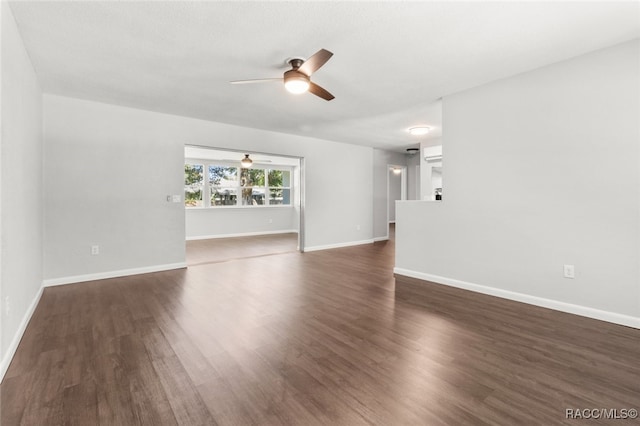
301, 192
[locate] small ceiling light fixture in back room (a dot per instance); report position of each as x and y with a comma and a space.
419, 130
412, 151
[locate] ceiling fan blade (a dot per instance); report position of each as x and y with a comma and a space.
258, 80
314, 63
319, 91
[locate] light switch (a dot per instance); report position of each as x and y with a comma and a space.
569, 271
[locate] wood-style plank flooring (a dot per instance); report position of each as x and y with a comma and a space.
321, 338
224, 249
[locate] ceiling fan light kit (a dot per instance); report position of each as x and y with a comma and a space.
246, 162
298, 79
295, 82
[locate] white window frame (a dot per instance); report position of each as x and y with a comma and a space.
206, 191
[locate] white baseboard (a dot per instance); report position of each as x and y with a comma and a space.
243, 234
613, 317
339, 245
376, 239
112, 274
13, 346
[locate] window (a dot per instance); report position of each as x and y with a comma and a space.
223, 182
193, 185
279, 187
230, 186
253, 188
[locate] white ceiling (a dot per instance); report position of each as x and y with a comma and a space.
201, 153
392, 61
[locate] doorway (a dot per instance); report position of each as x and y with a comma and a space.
235, 210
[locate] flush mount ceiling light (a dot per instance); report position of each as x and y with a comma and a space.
413, 151
419, 130
246, 162
396, 170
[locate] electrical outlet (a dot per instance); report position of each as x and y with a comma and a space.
357, 227
569, 271
95, 250
270, 220
7, 306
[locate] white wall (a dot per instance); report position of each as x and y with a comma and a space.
436, 177
428, 179
395, 193
213, 223
381, 161
108, 170
20, 189
542, 170
107, 175
413, 176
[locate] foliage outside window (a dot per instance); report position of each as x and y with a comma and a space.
223, 182
253, 189
233, 186
279, 187
193, 185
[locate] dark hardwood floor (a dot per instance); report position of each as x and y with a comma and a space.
327, 337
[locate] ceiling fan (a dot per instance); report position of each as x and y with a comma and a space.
298, 78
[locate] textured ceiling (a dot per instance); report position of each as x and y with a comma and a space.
201, 153
392, 60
